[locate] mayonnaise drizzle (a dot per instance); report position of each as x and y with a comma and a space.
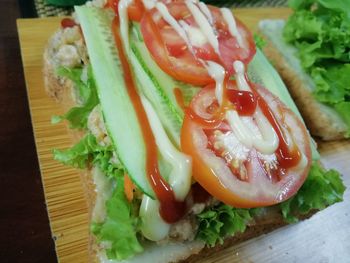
124, 22
217, 72
242, 83
163, 10
195, 35
267, 141
204, 25
239, 129
149, 4
232, 27
153, 226
205, 10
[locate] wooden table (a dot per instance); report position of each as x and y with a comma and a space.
24, 227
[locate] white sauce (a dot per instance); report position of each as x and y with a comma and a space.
268, 144
153, 226
195, 35
205, 10
266, 140
217, 72
204, 25
232, 27
242, 84
124, 23
163, 10
149, 4
238, 127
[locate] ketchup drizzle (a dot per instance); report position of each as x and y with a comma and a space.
286, 158
68, 22
179, 98
171, 210
245, 102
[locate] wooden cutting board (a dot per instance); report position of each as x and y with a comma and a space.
323, 238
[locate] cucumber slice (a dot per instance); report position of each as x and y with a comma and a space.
262, 72
118, 111
158, 87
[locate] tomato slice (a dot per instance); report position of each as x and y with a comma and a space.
173, 55
252, 180
135, 10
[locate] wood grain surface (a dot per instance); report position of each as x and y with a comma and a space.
323, 238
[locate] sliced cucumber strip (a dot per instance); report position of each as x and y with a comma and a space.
118, 111
158, 87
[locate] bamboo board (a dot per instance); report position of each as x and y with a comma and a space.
323, 238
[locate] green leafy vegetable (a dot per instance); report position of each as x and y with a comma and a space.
118, 230
321, 189
87, 151
120, 226
77, 116
221, 221
320, 29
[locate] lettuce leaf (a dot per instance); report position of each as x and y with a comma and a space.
119, 228
87, 151
221, 221
320, 30
85, 87
321, 189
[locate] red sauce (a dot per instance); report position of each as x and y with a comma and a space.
179, 98
68, 22
171, 210
287, 158
113, 4
244, 101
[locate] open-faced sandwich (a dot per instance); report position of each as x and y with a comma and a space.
189, 137
311, 53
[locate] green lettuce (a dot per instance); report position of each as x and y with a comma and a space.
85, 88
320, 30
120, 227
218, 222
321, 189
88, 151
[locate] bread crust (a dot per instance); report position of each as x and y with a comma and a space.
61, 90
322, 121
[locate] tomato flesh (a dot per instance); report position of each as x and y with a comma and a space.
135, 10
252, 181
